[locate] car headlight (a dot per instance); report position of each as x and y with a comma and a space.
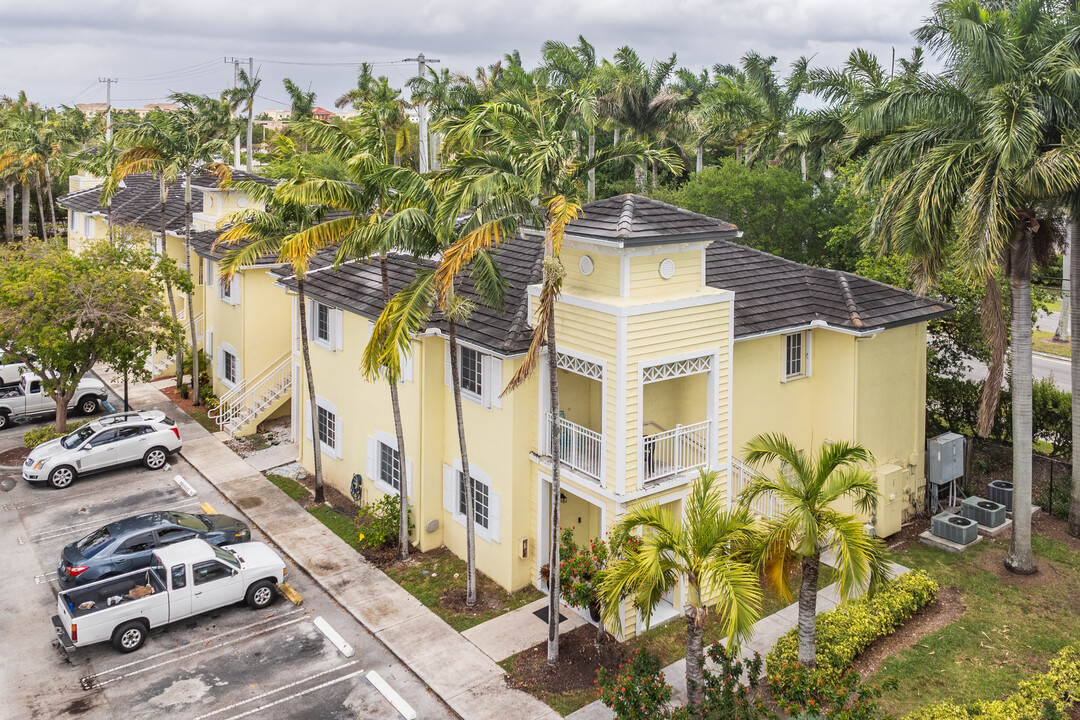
38, 465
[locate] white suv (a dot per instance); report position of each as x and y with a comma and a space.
147, 437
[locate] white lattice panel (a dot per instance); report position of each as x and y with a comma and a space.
581, 367
680, 368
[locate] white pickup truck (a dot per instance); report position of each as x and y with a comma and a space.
28, 399
184, 579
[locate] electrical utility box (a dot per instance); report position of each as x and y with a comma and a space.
944, 458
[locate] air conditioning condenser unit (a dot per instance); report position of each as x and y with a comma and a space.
985, 512
960, 530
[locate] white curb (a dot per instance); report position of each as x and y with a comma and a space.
390, 694
184, 486
333, 636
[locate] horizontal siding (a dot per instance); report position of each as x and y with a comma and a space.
645, 277
604, 279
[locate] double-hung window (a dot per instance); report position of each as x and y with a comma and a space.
322, 323
327, 427
389, 466
796, 355
228, 367
88, 226
471, 367
479, 374
481, 501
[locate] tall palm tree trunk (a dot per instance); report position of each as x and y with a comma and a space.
9, 212
43, 233
470, 513
195, 400
24, 193
1074, 320
808, 611
554, 590
52, 201
179, 359
395, 404
700, 156
250, 150
314, 415
1020, 558
695, 678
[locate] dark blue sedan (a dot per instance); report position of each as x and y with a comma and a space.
126, 545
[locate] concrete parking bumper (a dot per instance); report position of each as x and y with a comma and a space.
466, 679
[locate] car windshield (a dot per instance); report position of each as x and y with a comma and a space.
90, 545
77, 438
226, 556
191, 522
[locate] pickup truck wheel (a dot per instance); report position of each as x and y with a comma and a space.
155, 458
88, 406
4, 420
61, 477
260, 595
129, 637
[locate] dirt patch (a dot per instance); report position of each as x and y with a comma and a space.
947, 609
186, 404
577, 666
14, 457
1054, 528
993, 561
246, 503
908, 535
453, 599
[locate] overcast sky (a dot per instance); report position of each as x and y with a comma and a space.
57, 49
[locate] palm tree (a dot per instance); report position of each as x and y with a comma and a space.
575, 67
517, 161
807, 489
174, 145
278, 229
712, 550
243, 96
31, 143
692, 88
976, 164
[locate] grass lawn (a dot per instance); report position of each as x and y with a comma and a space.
289, 486
1043, 342
1011, 629
340, 525
199, 415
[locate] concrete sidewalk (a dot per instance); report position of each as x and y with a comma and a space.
470, 682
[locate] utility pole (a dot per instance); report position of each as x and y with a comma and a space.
108, 107
235, 83
421, 112
251, 115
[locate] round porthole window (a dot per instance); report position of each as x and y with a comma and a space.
241, 202
210, 201
585, 265
667, 268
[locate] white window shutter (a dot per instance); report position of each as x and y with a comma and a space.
494, 379
307, 420
448, 376
409, 480
337, 435
372, 459
235, 288
494, 516
219, 362
296, 320
337, 317
449, 489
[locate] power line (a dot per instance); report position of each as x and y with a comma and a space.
154, 76
333, 64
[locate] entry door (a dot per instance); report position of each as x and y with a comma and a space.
213, 585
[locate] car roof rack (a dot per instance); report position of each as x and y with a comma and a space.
119, 418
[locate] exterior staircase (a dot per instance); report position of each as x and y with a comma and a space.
165, 361
251, 399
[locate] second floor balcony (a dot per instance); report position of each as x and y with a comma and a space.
580, 448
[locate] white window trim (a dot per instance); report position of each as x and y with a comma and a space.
222, 349
807, 355
335, 322
334, 450
406, 362
493, 532
490, 376
88, 226
377, 437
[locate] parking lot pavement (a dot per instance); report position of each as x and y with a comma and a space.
225, 665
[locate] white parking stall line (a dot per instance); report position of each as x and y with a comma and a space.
81, 526
90, 681
64, 497
170, 651
309, 690
46, 578
277, 690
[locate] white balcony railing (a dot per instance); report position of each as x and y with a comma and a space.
580, 448
248, 398
766, 506
673, 451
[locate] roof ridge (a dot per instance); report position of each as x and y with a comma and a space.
849, 301
625, 226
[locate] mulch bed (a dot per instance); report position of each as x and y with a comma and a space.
14, 457
577, 666
186, 404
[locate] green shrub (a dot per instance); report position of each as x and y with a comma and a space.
35, 437
380, 522
847, 630
213, 402
1060, 685
185, 391
637, 690
206, 392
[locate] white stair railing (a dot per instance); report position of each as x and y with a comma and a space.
250, 397
581, 448
767, 505
672, 451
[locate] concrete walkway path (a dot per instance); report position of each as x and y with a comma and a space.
469, 681
518, 630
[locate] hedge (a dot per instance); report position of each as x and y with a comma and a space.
35, 437
1060, 685
848, 629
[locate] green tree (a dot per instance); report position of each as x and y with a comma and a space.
712, 549
61, 313
807, 489
517, 161
278, 229
983, 153
243, 97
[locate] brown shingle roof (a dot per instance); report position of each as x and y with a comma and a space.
629, 220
